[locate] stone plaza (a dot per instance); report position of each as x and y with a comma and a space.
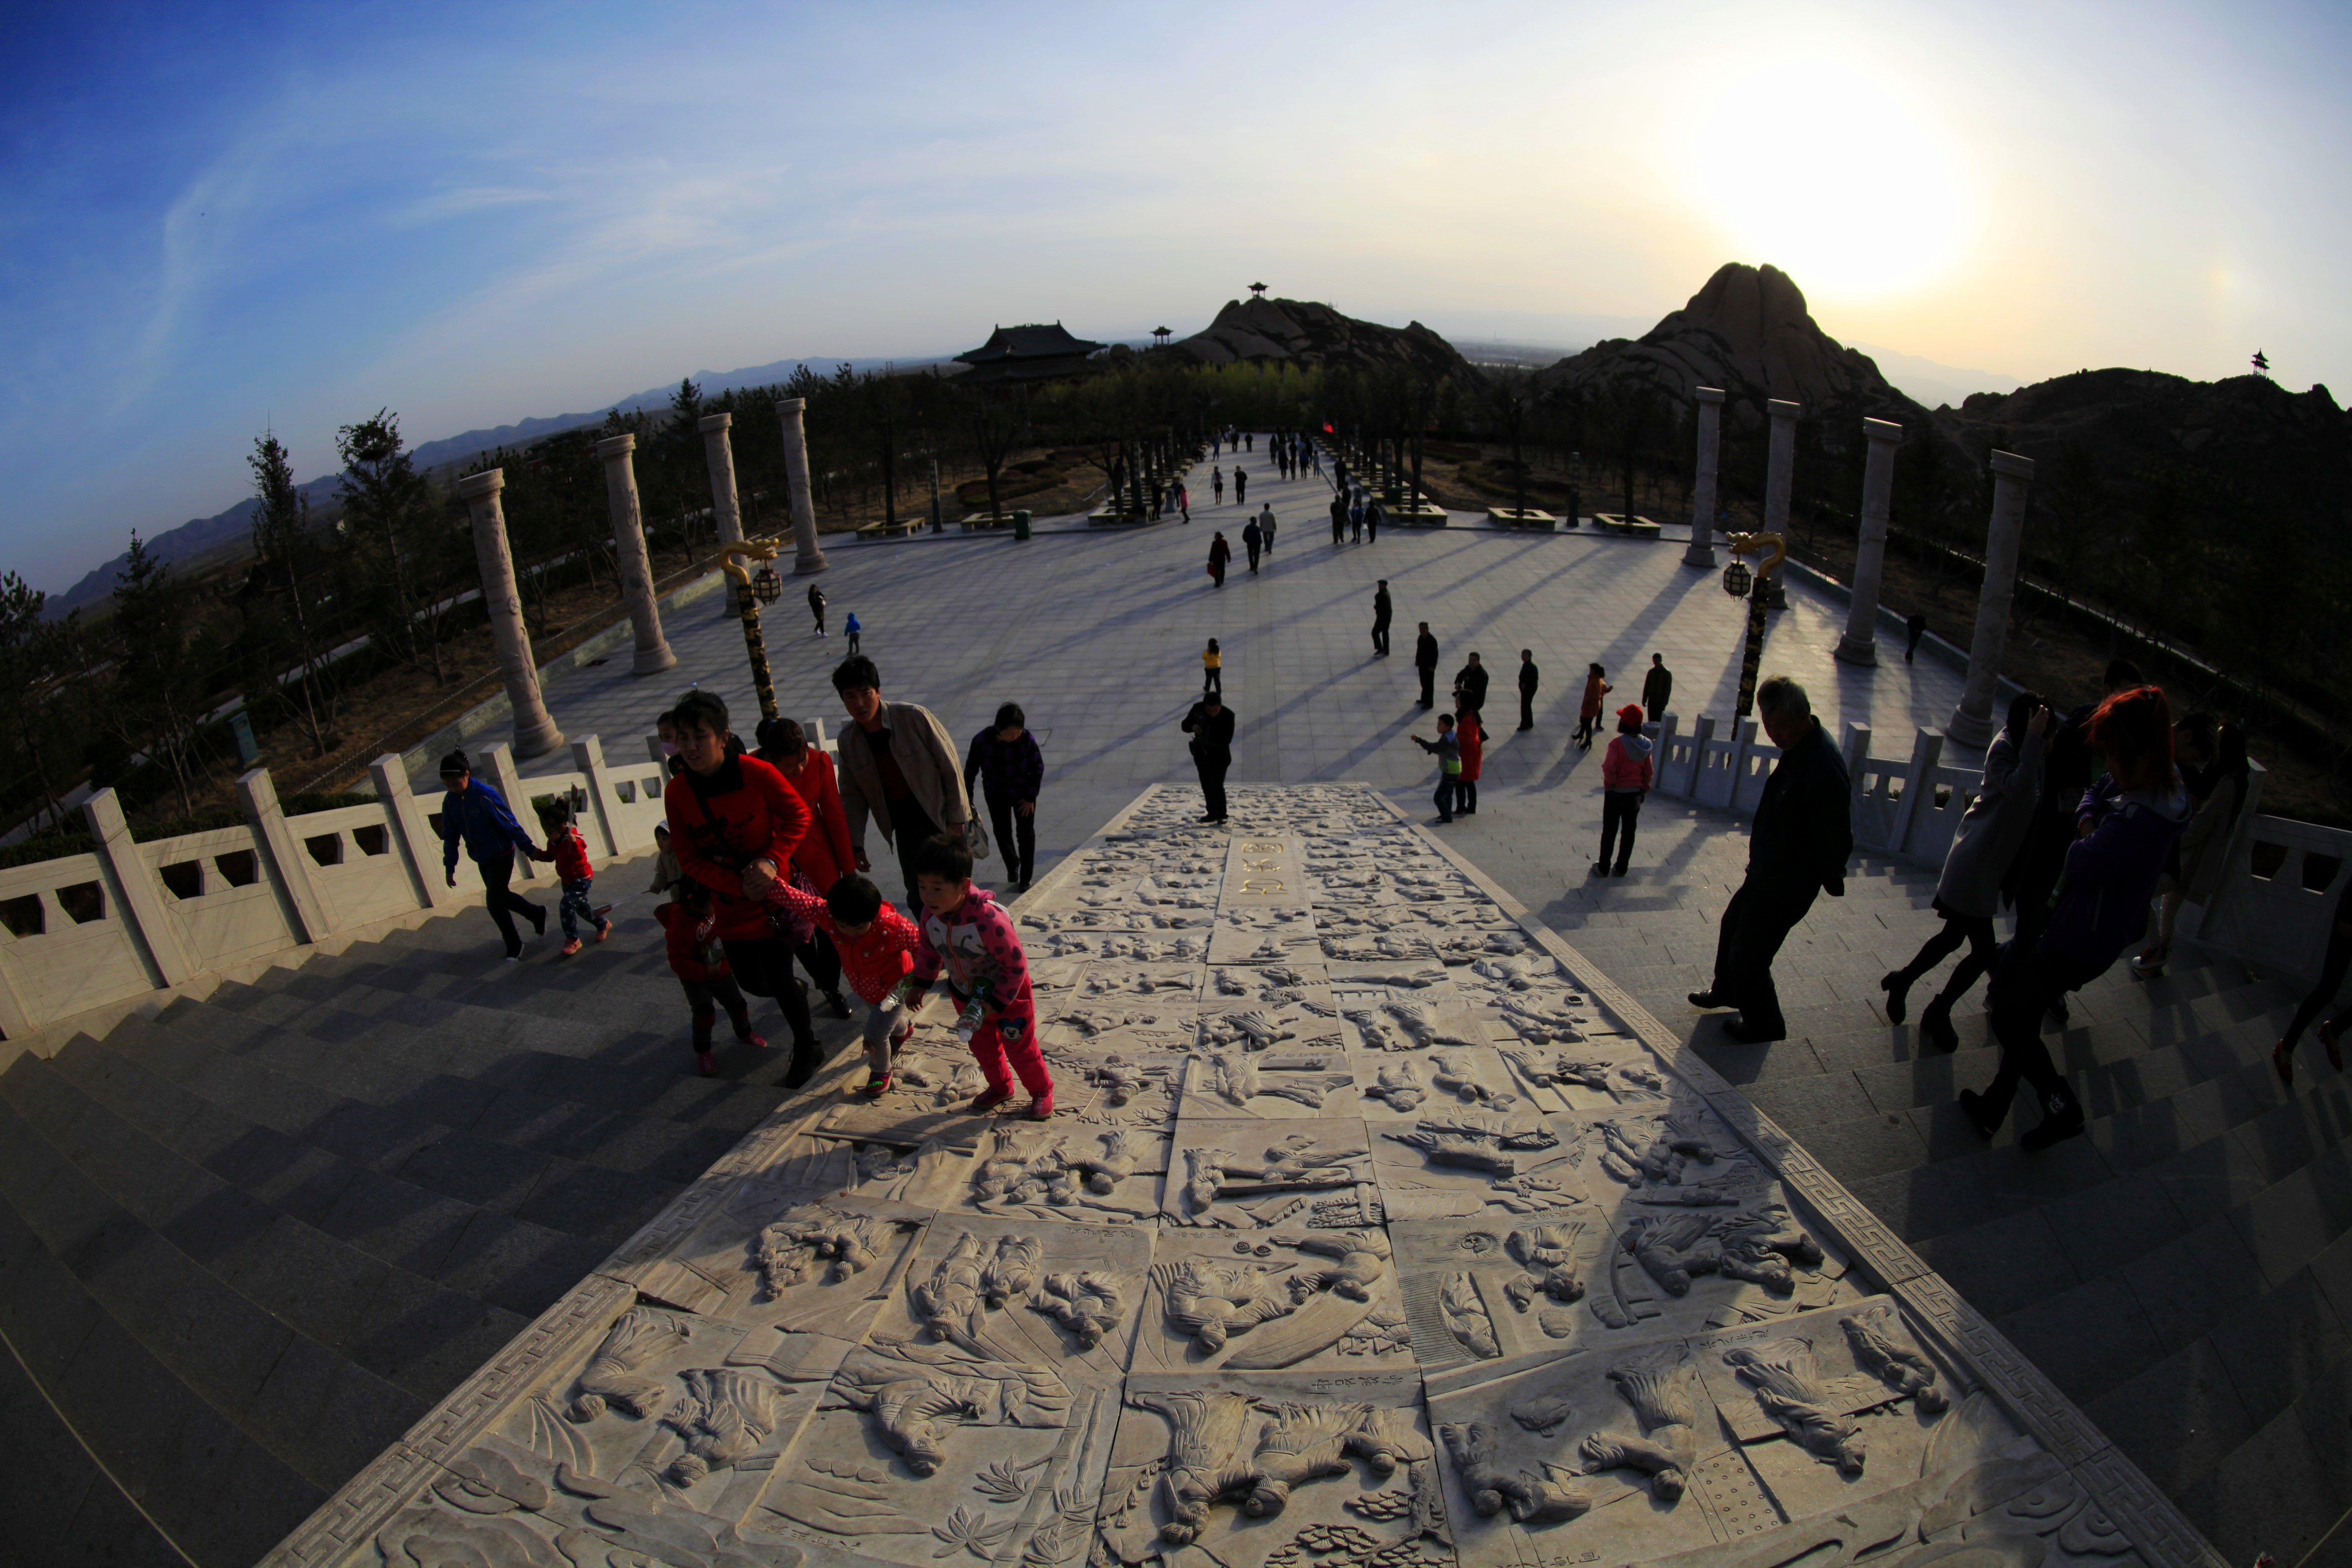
893, 1333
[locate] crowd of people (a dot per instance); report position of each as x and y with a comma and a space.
2094, 827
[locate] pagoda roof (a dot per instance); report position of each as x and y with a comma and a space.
1028, 342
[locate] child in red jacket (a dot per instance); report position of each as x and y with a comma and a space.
968, 938
570, 853
700, 965
1625, 776
874, 941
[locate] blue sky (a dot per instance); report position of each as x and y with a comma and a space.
219, 218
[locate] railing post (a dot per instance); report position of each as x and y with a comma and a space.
1927, 751
420, 849
499, 762
588, 756
257, 795
1743, 737
139, 903
1665, 728
1701, 739
2241, 849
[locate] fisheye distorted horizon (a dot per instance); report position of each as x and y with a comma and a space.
286, 217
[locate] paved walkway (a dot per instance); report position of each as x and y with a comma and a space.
2179, 1271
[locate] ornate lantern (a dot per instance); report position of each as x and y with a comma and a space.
1736, 579
767, 584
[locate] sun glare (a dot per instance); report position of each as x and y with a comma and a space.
1833, 174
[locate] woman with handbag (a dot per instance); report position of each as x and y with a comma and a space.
1006, 760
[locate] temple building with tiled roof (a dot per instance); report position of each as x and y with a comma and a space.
1032, 352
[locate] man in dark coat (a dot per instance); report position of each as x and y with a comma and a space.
1470, 686
1914, 629
1803, 837
1381, 610
1219, 554
1211, 725
1424, 660
1340, 517
1528, 676
1657, 687
1252, 538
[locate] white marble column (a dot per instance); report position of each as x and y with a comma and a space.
1704, 493
807, 557
1860, 643
1780, 466
535, 734
1972, 724
718, 451
653, 654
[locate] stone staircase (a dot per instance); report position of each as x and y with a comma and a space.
2182, 1271
248, 1241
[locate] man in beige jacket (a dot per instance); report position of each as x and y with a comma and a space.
898, 766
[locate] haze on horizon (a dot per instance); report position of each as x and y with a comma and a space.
221, 219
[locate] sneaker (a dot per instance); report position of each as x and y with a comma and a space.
1040, 1108
988, 1100
838, 1002
514, 958
603, 930
2062, 1117
876, 1087
707, 1063
898, 1041
749, 1039
573, 945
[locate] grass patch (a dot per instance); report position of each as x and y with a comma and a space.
44, 847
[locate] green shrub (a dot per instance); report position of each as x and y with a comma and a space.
46, 847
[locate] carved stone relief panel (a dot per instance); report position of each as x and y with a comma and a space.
1254, 1175
1456, 1159
1134, 1027
1279, 1299
1286, 1081
1266, 1470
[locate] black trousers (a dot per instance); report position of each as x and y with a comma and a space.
1213, 679
1212, 783
1253, 555
504, 903
1021, 860
1983, 945
1526, 710
1757, 921
1428, 685
2331, 975
1657, 711
1620, 810
764, 967
1380, 637
706, 997
819, 958
909, 826
2025, 981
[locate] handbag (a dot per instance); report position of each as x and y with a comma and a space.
976, 836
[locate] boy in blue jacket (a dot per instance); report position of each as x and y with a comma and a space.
477, 813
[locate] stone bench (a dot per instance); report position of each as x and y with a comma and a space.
1631, 527
1113, 517
887, 529
1513, 516
1421, 513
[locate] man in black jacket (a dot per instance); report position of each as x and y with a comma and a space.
1803, 837
1470, 686
1381, 609
1528, 676
1339, 516
1211, 725
1424, 660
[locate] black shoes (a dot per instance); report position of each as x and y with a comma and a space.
1898, 991
1935, 1028
806, 1059
2062, 1117
1707, 999
838, 1002
1980, 1115
1598, 869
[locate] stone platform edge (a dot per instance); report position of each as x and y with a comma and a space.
2158, 1530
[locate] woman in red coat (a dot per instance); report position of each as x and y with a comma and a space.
823, 855
1470, 736
734, 825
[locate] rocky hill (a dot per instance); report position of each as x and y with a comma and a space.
1303, 332
1748, 332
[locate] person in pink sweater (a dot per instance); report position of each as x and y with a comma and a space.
968, 938
874, 941
1626, 775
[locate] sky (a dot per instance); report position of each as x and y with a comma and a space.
221, 219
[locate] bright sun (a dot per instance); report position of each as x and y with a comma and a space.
1831, 174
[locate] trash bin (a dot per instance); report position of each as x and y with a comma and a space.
1020, 525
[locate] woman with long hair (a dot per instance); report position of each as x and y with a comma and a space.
1969, 893
2123, 827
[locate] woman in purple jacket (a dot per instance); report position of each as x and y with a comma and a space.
1005, 757
2125, 825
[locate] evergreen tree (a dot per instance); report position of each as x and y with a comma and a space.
36, 654
400, 550
292, 571
160, 680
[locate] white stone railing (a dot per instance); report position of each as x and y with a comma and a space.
2281, 880
132, 919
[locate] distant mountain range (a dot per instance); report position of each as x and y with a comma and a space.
202, 539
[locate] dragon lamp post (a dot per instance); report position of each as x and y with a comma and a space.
752, 590
1757, 590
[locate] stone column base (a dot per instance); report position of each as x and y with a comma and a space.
814, 561
1700, 553
536, 739
654, 661
1850, 650
1965, 729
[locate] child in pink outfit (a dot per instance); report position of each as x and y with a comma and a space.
968, 936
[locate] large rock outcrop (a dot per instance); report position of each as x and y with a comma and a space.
1748, 332
1304, 332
